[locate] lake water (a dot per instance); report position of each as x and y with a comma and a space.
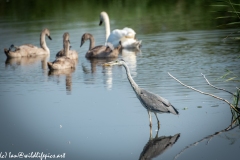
92, 112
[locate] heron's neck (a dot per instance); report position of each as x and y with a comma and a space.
132, 82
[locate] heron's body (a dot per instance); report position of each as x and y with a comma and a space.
155, 103
152, 102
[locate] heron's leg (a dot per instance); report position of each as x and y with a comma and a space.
150, 133
157, 120
150, 119
157, 133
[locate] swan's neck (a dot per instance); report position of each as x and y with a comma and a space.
66, 52
132, 82
92, 42
43, 42
107, 25
66, 49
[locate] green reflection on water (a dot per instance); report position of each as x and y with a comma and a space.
145, 16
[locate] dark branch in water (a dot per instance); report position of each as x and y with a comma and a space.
230, 127
217, 87
210, 136
233, 107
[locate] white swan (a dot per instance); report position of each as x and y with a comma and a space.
28, 50
63, 62
72, 54
125, 35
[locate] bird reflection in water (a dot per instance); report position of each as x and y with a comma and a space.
67, 73
26, 61
158, 145
130, 57
95, 63
98, 62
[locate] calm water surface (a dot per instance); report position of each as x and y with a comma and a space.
92, 112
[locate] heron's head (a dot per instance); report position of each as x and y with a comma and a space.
112, 63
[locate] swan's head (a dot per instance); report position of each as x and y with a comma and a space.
103, 16
117, 62
47, 33
66, 36
85, 36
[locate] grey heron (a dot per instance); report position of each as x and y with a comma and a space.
152, 102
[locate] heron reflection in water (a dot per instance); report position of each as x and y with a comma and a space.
152, 102
158, 145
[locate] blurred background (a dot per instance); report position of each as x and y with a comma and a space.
92, 112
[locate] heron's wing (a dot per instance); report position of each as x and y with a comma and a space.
154, 102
